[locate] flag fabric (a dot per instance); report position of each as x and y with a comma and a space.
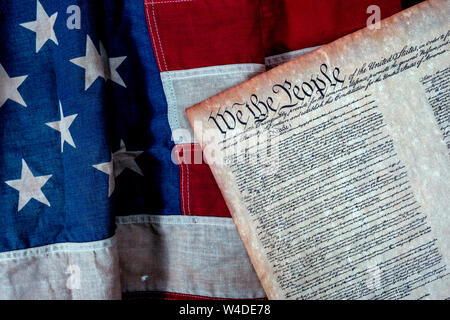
103, 191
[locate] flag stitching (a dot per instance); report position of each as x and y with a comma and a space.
159, 39
164, 2
182, 187
187, 187
151, 35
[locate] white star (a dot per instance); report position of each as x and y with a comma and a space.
43, 26
98, 65
29, 187
107, 167
8, 88
120, 160
63, 126
126, 159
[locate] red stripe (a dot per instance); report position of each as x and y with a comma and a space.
302, 24
197, 33
200, 195
200, 33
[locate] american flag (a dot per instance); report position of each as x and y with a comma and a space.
103, 194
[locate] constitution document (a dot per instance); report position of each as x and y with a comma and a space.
336, 165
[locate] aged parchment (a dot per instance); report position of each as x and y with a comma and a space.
336, 165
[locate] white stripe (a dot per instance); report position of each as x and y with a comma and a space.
185, 88
53, 271
273, 61
185, 254
55, 248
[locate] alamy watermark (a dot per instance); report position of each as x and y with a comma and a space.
374, 20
